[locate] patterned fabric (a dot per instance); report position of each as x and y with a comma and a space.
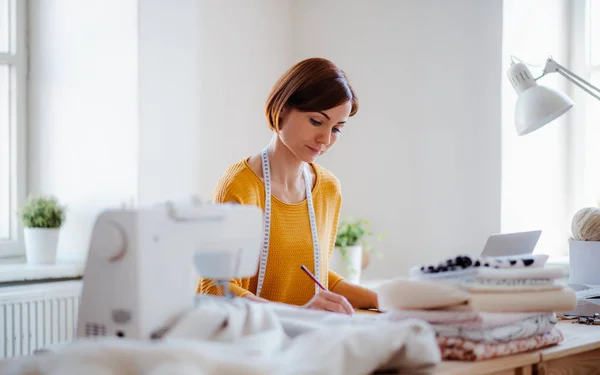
471, 320
513, 282
462, 263
523, 329
467, 350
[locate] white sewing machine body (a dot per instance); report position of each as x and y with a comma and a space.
143, 264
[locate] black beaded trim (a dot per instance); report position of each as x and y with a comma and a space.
462, 262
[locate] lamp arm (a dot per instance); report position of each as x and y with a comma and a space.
552, 66
567, 76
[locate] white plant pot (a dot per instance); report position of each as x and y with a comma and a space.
350, 267
584, 259
41, 245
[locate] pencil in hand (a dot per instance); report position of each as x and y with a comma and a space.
312, 276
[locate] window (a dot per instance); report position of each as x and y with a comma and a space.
585, 116
593, 31
534, 167
13, 70
584, 120
592, 119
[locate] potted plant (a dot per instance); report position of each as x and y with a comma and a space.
42, 218
351, 247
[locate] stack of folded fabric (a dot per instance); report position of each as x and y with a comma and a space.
483, 308
470, 336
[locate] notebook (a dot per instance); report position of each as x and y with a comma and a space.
509, 244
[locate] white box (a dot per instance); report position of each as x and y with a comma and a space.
584, 262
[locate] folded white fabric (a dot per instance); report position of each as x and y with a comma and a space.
239, 337
553, 300
401, 293
407, 294
513, 280
548, 273
510, 286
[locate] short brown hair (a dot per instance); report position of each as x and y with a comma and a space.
312, 85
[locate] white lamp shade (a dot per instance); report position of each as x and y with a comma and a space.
537, 106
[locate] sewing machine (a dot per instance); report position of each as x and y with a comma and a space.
143, 264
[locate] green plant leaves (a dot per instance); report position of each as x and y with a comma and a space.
351, 231
42, 212
355, 231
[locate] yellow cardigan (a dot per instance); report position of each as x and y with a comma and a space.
290, 243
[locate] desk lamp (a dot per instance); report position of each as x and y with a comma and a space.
538, 105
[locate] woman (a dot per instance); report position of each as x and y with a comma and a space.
307, 110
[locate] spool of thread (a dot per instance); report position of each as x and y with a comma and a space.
585, 225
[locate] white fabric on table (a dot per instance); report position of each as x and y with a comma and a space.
409, 294
240, 337
520, 273
485, 286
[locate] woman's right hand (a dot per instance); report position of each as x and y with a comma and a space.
329, 301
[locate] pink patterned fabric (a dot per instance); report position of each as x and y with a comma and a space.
466, 350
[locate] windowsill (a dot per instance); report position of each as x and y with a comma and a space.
18, 271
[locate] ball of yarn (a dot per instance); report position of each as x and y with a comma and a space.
586, 224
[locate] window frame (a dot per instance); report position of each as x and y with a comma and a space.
593, 114
18, 58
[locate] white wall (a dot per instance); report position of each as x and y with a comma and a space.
439, 192
422, 157
202, 88
151, 108
245, 48
534, 183
427, 73
83, 117
169, 100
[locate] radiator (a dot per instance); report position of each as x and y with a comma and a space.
36, 316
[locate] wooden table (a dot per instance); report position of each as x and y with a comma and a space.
578, 353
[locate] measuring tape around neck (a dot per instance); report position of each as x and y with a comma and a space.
264, 254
